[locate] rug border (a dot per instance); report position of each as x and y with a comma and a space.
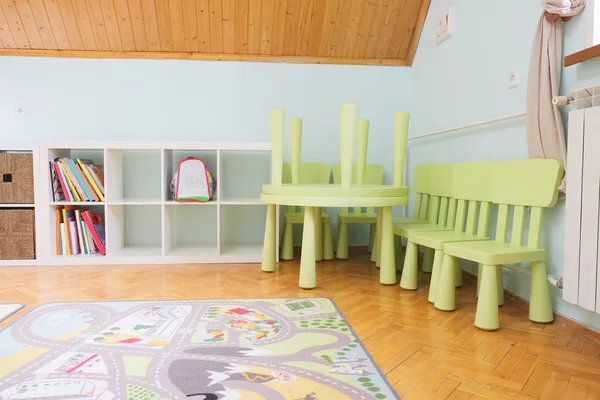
212, 299
11, 314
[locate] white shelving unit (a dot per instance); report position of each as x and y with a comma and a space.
33, 149
144, 225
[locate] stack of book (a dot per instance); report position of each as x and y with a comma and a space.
79, 232
76, 180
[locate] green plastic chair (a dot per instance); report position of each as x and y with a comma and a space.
526, 186
437, 204
310, 173
357, 215
471, 189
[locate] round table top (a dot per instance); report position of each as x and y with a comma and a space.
332, 195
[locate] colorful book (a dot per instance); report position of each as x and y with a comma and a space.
57, 189
84, 168
58, 243
69, 181
96, 227
65, 225
95, 177
87, 186
63, 182
81, 186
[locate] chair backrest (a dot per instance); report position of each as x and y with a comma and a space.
435, 199
310, 173
373, 176
472, 195
525, 184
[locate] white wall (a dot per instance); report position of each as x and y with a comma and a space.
465, 79
194, 100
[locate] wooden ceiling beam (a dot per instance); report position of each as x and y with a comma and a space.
173, 55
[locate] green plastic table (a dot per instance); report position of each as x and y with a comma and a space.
312, 197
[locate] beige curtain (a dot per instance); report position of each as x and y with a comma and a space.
545, 131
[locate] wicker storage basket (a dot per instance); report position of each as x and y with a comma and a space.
17, 234
16, 178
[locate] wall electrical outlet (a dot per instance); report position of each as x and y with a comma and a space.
20, 111
513, 80
443, 28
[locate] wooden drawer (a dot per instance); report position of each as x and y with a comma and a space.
17, 234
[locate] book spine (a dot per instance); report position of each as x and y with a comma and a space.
90, 225
61, 178
73, 237
79, 235
91, 181
66, 231
96, 179
63, 242
79, 181
68, 178
58, 244
86, 246
86, 185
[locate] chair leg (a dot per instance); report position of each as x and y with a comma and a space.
458, 275
269, 250
410, 271
398, 252
500, 282
377, 240
479, 269
487, 317
327, 241
380, 236
428, 259
435, 275
318, 234
445, 298
342, 241
287, 246
387, 274
540, 305
308, 279
372, 228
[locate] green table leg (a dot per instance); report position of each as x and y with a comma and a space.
387, 274
377, 240
308, 278
269, 250
318, 234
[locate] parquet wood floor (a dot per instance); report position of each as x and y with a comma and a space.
425, 353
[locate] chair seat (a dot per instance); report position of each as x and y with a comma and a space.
356, 218
298, 217
405, 229
436, 240
493, 253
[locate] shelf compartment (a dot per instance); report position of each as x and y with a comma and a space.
243, 173
190, 231
133, 176
133, 230
172, 158
242, 231
96, 155
99, 209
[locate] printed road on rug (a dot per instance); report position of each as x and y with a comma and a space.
275, 349
6, 310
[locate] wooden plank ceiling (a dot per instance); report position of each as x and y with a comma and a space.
382, 32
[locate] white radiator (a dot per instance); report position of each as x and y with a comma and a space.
582, 238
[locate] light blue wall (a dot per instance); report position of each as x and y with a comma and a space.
193, 100
464, 80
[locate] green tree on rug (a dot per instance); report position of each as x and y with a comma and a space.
135, 392
334, 323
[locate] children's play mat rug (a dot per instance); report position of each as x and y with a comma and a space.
274, 349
